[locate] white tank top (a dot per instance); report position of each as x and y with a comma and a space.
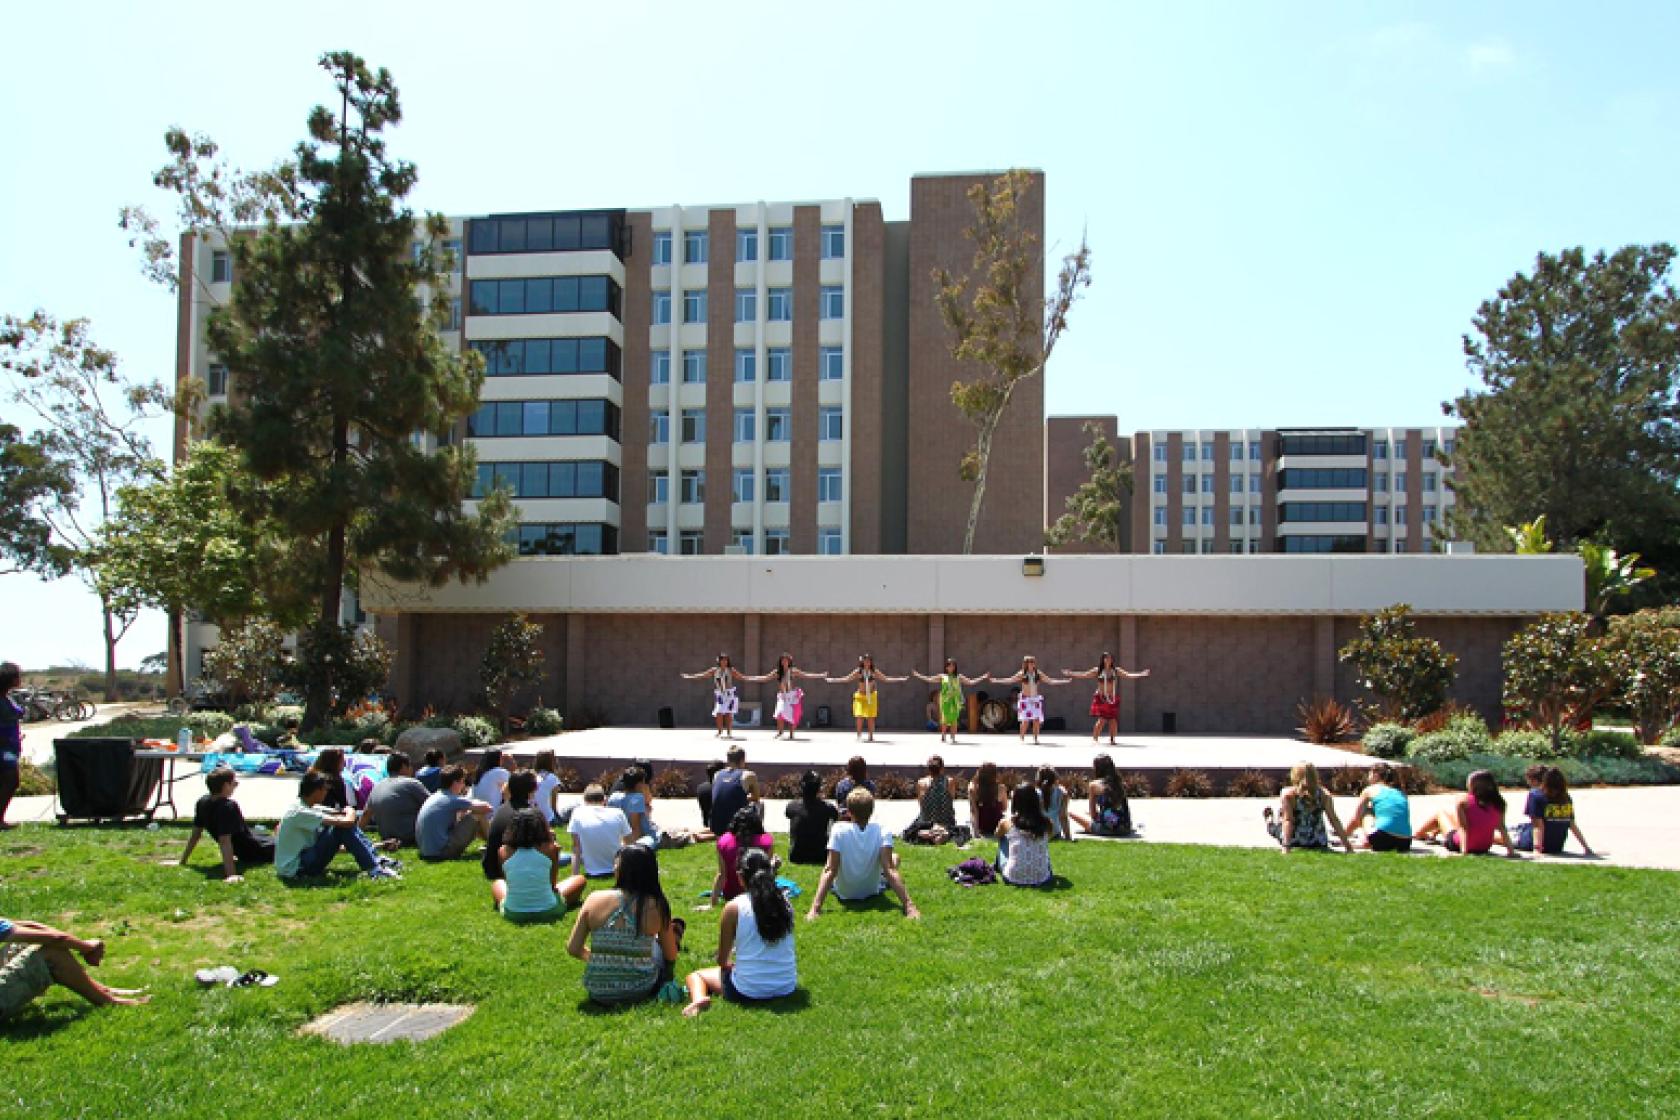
763, 970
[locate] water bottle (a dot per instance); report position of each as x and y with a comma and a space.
184, 740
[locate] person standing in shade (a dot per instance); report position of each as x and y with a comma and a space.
1105, 704
219, 814
950, 684
11, 739
733, 789
726, 694
809, 820
1029, 705
790, 698
866, 701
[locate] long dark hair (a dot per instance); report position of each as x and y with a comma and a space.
1108, 657
544, 762
1026, 811
1103, 767
782, 670
986, 782
1046, 785
1485, 790
1555, 786
637, 876
10, 675
771, 912
747, 825
527, 829
487, 762
329, 760
810, 786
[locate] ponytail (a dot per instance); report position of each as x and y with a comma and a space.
771, 911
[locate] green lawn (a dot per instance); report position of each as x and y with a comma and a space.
1161, 981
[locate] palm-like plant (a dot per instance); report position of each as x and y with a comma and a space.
1610, 575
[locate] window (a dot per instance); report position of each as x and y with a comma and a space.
746, 244
776, 486
1379, 483
662, 247
1382, 515
694, 425
1207, 452
452, 250
1399, 449
1322, 478
1189, 515
831, 363
742, 539
694, 367
544, 418
1429, 515
1254, 515
833, 242
1236, 450
778, 425
830, 487
221, 267
781, 243
781, 364
1207, 484
545, 233
1321, 511
580, 478
779, 306
694, 306
1236, 515
828, 542
1254, 482
746, 426
1399, 482
1207, 515
1236, 483
690, 542
776, 542
833, 304
1321, 544
746, 365
1160, 548
1189, 484
545, 295
453, 323
659, 427
1399, 515
515, 356
1160, 515
217, 380
1160, 452
657, 542
661, 308
746, 305
1448, 447
1187, 547
1234, 547
1254, 449
1379, 449
1206, 546
741, 486
1337, 444
659, 370
830, 424
1189, 451
693, 487
585, 539
659, 488
1160, 483
1429, 482
694, 246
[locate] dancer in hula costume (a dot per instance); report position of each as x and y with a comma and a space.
790, 698
1029, 705
950, 685
1105, 704
866, 701
726, 699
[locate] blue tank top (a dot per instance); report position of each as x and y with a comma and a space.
529, 891
729, 796
1392, 811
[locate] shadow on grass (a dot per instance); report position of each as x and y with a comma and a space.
799, 1001
331, 877
38, 1020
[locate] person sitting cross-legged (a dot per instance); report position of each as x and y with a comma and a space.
861, 861
394, 805
598, 831
755, 954
310, 835
528, 863
625, 937
57, 951
449, 820
219, 815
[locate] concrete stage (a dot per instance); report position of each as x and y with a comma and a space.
905, 752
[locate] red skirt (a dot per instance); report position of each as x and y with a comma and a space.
1102, 708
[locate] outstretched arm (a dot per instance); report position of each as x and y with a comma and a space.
851, 676
995, 679
695, 676
923, 677
759, 679
814, 676
1136, 675
1046, 678
880, 676
981, 679
1083, 675
826, 884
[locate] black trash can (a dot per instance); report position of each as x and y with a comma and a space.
1169, 723
100, 779
667, 718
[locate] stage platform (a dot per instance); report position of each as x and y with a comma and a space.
905, 752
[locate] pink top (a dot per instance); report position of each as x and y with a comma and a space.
729, 853
1480, 823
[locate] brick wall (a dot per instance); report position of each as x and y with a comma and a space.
1478, 642
720, 378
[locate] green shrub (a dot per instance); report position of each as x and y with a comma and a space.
1579, 771
1671, 737
1524, 744
1463, 736
1453, 773
207, 725
34, 781
1641, 771
1603, 743
1388, 740
544, 721
476, 732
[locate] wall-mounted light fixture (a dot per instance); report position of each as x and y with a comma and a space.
1032, 566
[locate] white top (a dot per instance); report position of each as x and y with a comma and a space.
543, 798
601, 831
489, 788
763, 970
859, 875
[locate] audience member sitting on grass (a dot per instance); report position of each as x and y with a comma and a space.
936, 815
1053, 795
861, 861
629, 795
809, 820
1390, 812
56, 952
431, 769
521, 795
394, 805
703, 792
288, 739
733, 789
985, 800
598, 832
219, 814
490, 778
548, 785
449, 821
11, 739
1024, 840
1111, 812
330, 761
1551, 815
746, 830
857, 777
755, 954
1302, 811
310, 836
625, 937
529, 862
1476, 817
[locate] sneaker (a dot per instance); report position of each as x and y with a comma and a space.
390, 864
384, 873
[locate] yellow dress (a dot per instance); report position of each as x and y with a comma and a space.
866, 703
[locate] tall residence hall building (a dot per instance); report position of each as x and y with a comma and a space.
729, 428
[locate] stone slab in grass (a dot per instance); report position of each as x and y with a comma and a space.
387, 1022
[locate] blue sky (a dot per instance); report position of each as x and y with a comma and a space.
1294, 208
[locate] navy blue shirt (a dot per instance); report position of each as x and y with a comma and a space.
11, 734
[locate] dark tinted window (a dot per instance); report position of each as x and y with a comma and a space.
544, 233
1351, 443
1321, 544
567, 539
1321, 511
1322, 478
510, 357
545, 295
